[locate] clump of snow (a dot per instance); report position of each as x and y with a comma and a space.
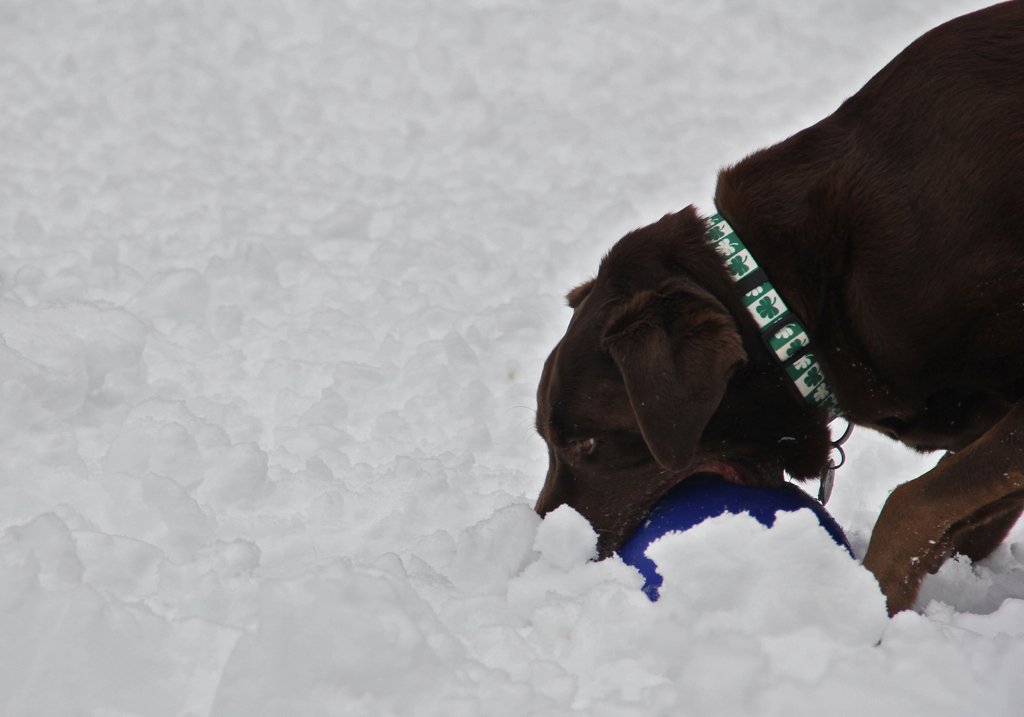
565, 539
733, 573
277, 283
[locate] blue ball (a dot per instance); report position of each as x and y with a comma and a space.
706, 495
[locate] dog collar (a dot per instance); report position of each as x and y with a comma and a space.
781, 329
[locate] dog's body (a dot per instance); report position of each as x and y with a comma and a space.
895, 230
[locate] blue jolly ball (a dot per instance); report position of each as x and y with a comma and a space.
706, 495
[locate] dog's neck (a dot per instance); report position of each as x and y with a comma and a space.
782, 331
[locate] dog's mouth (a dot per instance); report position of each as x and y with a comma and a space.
731, 472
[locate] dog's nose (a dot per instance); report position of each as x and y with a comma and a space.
546, 501
551, 495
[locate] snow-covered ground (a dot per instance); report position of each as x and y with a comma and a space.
277, 279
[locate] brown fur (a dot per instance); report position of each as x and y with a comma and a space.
895, 229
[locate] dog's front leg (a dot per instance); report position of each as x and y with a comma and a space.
967, 504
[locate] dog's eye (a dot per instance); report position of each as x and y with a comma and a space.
585, 446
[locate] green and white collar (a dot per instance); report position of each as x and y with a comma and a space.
781, 329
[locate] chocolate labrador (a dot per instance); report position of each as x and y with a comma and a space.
890, 239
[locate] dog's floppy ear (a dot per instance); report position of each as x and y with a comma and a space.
575, 297
676, 349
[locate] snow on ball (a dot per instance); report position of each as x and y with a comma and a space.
707, 495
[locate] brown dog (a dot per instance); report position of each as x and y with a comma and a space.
895, 230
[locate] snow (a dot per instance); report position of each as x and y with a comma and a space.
277, 282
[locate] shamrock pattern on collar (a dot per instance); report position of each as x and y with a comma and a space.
781, 329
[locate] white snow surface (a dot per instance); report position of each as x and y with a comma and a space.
277, 282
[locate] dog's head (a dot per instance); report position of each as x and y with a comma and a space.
654, 380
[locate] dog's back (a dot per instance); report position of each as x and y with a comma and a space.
898, 221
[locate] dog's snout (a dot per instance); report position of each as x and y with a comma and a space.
545, 504
552, 494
